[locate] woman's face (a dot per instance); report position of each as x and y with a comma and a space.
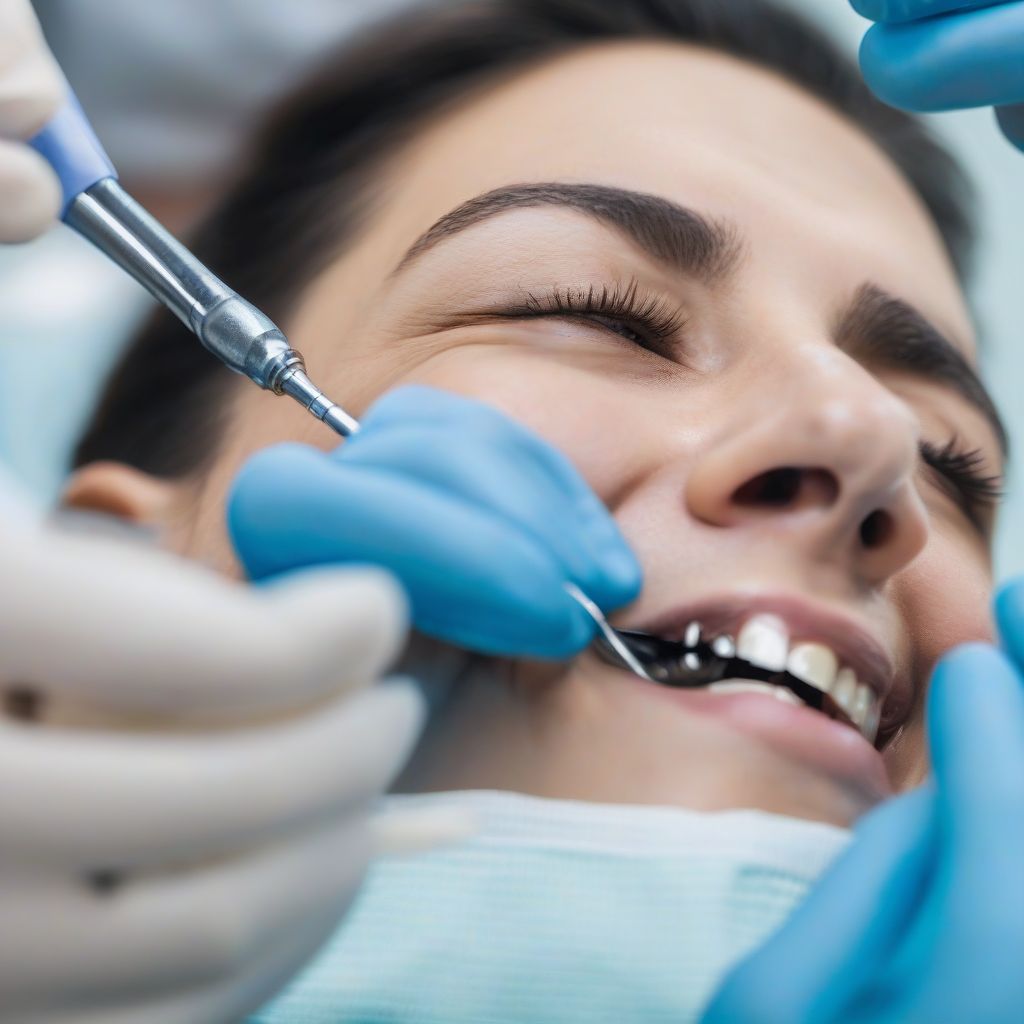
785, 322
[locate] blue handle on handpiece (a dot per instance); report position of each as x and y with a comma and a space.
70, 146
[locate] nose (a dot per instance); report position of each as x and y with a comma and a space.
826, 455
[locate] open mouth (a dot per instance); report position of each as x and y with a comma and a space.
759, 657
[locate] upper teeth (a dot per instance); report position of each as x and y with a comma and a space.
815, 664
764, 642
844, 689
724, 647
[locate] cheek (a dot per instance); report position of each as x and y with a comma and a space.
945, 599
581, 399
258, 420
581, 407
946, 595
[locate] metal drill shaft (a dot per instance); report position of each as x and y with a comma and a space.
236, 332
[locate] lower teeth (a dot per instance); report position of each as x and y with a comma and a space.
780, 693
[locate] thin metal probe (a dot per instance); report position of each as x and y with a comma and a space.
612, 638
234, 330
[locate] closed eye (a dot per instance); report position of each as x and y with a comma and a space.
626, 310
961, 474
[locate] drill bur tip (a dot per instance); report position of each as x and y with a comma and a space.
297, 385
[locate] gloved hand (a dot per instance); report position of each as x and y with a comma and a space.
186, 767
481, 520
928, 55
921, 920
31, 90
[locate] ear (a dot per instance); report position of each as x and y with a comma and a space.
114, 489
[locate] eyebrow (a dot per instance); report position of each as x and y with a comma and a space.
683, 239
882, 331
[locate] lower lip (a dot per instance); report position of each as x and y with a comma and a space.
797, 731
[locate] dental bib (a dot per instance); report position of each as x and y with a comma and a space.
560, 912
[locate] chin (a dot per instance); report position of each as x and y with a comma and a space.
604, 736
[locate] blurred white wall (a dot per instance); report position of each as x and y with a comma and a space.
998, 173
174, 87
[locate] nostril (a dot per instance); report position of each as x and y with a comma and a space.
877, 529
777, 487
788, 486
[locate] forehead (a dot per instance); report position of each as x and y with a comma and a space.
820, 205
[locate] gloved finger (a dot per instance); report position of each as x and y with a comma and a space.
846, 927
976, 733
948, 63
971, 940
1011, 122
519, 490
896, 11
144, 634
168, 933
30, 190
131, 802
976, 736
233, 999
31, 85
1009, 613
973, 948
474, 451
255, 983
472, 580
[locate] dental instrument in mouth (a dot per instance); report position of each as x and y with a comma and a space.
726, 664
610, 639
96, 206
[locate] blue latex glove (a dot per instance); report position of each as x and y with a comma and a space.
929, 55
481, 520
921, 920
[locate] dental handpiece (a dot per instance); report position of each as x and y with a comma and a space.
97, 207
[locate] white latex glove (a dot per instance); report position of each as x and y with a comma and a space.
183, 842
31, 90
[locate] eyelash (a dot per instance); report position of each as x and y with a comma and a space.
654, 325
976, 491
649, 321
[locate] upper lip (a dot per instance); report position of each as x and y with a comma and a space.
853, 643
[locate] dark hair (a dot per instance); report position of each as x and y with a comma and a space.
310, 172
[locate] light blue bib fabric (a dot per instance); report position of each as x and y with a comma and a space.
560, 913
